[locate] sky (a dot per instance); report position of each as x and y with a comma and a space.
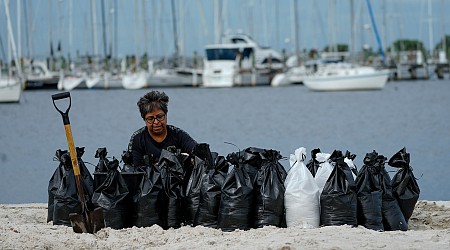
138, 26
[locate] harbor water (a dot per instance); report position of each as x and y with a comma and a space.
411, 114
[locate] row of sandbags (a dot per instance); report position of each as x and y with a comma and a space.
329, 190
247, 189
242, 191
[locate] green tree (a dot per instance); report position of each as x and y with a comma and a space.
340, 48
407, 45
439, 46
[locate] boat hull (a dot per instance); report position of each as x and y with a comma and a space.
343, 83
10, 90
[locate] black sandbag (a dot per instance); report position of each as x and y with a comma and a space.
404, 185
101, 154
172, 173
127, 159
236, 203
55, 181
202, 161
338, 200
150, 199
110, 196
66, 199
369, 193
210, 192
393, 218
313, 164
269, 191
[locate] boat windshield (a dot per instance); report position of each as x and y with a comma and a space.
221, 54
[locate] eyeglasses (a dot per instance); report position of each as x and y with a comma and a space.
151, 119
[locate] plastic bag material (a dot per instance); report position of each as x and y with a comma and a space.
102, 161
127, 159
172, 174
393, 218
349, 159
313, 164
404, 185
111, 194
270, 191
55, 181
202, 161
66, 199
324, 171
369, 193
150, 199
338, 200
237, 198
210, 192
302, 194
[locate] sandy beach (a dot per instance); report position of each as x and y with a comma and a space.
23, 226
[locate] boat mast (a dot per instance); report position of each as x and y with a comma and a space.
297, 46
217, 21
372, 18
430, 27
175, 34
12, 42
94, 29
105, 49
352, 32
144, 22
19, 35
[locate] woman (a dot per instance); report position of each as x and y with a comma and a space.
156, 135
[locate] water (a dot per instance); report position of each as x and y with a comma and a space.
414, 114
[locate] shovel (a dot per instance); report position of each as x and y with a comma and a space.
90, 220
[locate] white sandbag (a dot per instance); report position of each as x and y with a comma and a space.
324, 171
351, 165
301, 198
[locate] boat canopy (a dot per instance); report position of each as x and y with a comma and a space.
227, 52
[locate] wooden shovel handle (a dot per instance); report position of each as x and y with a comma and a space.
74, 159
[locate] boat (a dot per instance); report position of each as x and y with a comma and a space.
104, 80
10, 89
346, 76
69, 82
134, 80
11, 83
174, 77
295, 74
38, 76
240, 61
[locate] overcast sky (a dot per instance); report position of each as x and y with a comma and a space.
147, 25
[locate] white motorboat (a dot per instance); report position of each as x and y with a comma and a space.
10, 89
344, 76
239, 62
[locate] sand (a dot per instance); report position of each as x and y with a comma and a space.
23, 226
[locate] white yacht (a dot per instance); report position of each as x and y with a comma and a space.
239, 62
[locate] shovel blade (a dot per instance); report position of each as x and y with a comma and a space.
88, 222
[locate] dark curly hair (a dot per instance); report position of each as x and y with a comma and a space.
153, 100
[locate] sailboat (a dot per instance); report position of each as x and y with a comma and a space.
345, 76
10, 85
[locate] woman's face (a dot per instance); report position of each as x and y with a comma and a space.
156, 122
